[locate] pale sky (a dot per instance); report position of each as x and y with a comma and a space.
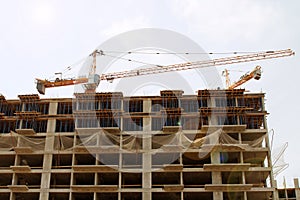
41, 37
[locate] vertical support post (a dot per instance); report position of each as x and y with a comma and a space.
147, 157
276, 193
216, 176
49, 144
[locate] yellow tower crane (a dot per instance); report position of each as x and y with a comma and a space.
92, 81
254, 74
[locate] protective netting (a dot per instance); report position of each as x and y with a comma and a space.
32, 142
227, 139
8, 142
125, 140
278, 162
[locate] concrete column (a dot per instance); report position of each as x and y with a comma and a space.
216, 176
147, 165
212, 118
147, 105
147, 157
52, 108
49, 143
276, 195
243, 173
46, 174
215, 156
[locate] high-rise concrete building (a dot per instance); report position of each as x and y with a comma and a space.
212, 146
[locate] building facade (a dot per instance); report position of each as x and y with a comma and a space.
212, 145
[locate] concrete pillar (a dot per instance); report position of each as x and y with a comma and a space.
215, 155
216, 176
147, 106
212, 118
147, 145
46, 174
53, 108
49, 143
147, 165
275, 193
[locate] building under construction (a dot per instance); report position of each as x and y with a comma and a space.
212, 145
288, 193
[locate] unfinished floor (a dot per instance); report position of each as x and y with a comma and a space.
211, 146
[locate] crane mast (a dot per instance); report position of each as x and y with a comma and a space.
226, 74
93, 79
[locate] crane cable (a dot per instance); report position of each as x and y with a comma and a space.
132, 60
186, 53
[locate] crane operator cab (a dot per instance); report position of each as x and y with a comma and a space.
93, 82
257, 73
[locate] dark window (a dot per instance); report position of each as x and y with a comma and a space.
189, 105
190, 123
65, 126
291, 193
11, 109
59, 180
87, 105
84, 179
87, 123
30, 106
230, 102
254, 122
233, 195
83, 196
255, 103
221, 102
229, 157
227, 120
173, 120
64, 108
282, 193
61, 196
241, 101
204, 120
108, 104
133, 106
7, 126
39, 126
110, 196
157, 123
202, 102
242, 119
166, 195
133, 124
43, 108
109, 122
156, 105
170, 103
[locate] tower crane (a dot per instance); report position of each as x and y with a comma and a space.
255, 73
226, 73
92, 81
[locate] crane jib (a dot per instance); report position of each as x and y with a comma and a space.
156, 69
199, 64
